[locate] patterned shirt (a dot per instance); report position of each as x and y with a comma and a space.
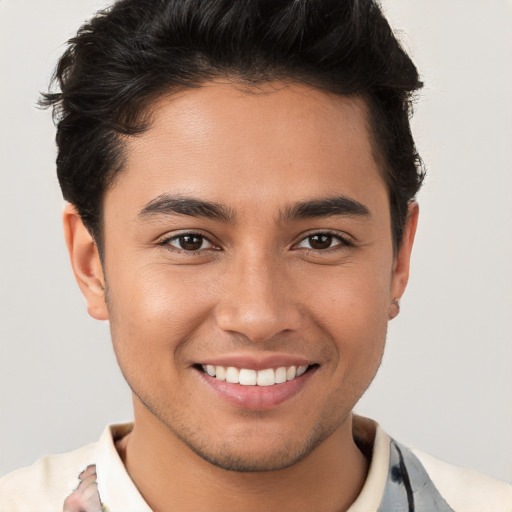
94, 479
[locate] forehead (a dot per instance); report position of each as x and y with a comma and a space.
278, 143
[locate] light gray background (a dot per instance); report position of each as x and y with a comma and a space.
446, 382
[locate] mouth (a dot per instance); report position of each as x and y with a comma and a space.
256, 389
248, 377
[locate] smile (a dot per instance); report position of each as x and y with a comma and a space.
247, 377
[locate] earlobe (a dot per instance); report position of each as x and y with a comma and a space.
86, 263
402, 260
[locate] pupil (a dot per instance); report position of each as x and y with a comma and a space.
320, 241
191, 242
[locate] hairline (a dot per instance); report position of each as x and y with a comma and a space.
148, 108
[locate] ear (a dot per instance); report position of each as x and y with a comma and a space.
86, 263
401, 263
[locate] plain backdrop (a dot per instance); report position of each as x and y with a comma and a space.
445, 385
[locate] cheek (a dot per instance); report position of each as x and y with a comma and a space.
153, 313
352, 297
352, 308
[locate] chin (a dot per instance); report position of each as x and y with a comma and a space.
248, 460
256, 451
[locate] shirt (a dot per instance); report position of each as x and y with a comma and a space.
399, 480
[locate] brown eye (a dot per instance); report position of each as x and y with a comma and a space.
190, 242
322, 241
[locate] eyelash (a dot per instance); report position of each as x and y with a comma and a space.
344, 242
166, 242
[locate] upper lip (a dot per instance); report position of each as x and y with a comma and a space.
259, 362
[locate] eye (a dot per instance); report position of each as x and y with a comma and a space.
322, 241
189, 242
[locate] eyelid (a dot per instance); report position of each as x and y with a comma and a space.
344, 239
204, 240
168, 237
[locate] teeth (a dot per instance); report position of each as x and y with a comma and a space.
246, 377
220, 372
301, 370
280, 375
266, 377
232, 375
291, 372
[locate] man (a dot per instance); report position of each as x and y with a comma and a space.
241, 180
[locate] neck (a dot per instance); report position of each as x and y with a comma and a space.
172, 477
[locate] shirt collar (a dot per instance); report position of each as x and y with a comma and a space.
116, 488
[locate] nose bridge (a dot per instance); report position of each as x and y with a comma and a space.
257, 298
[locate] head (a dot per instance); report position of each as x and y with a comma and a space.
242, 177
128, 56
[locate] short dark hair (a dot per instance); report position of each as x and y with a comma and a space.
126, 56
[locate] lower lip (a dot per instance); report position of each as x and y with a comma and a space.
257, 397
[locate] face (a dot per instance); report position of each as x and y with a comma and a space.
249, 270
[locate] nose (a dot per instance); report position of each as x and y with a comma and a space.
258, 300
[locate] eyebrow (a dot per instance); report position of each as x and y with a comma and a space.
314, 208
189, 206
326, 207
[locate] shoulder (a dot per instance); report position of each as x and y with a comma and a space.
44, 485
465, 490
401, 479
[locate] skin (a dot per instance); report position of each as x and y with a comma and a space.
255, 288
